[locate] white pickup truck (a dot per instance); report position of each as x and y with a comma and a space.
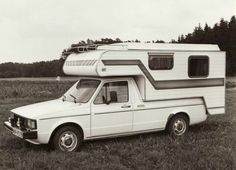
119, 96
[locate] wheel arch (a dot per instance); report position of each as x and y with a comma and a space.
73, 124
174, 114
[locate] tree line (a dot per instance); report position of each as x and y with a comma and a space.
222, 33
36, 69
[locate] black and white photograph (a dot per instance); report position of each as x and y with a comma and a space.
123, 85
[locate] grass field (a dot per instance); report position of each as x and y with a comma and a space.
210, 145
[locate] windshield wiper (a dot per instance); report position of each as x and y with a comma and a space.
73, 98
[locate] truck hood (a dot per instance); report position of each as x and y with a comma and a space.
46, 109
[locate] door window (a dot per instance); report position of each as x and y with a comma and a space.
113, 92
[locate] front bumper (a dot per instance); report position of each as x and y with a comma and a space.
24, 134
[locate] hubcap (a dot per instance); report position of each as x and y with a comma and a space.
179, 126
68, 141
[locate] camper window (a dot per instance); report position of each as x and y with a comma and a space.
113, 92
160, 62
198, 66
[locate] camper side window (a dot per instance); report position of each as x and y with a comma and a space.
113, 92
160, 62
198, 66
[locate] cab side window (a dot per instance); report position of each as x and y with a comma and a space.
113, 92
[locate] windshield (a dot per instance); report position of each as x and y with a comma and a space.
82, 91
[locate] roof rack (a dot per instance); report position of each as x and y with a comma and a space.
79, 49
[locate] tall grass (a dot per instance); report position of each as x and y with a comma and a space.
33, 89
210, 145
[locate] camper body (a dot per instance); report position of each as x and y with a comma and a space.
126, 89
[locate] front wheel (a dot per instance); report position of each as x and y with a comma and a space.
67, 139
178, 125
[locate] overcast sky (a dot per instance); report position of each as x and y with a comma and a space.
35, 30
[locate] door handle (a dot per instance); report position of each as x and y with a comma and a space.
126, 106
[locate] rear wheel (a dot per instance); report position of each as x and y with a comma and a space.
178, 125
67, 139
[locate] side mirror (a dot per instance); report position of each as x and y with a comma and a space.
104, 99
113, 96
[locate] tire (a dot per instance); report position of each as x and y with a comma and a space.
67, 139
178, 125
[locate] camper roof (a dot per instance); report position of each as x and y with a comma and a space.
160, 47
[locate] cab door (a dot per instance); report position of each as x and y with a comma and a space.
111, 111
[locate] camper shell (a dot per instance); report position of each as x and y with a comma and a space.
175, 82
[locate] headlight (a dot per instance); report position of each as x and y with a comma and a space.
11, 118
31, 124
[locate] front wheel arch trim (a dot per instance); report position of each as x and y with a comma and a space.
66, 124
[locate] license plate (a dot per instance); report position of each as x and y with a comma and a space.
17, 132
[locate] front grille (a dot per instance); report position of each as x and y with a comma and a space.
22, 120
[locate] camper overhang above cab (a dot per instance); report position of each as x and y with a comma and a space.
83, 64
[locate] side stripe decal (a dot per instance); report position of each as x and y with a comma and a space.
64, 116
167, 84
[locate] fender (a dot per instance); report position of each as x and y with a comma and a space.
58, 122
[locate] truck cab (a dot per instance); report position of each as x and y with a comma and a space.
96, 108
